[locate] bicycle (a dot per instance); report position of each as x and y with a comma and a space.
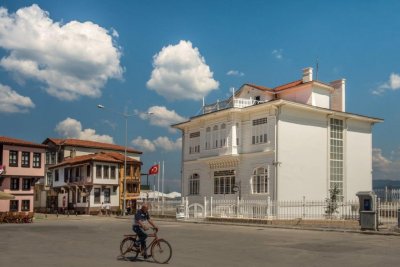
160, 249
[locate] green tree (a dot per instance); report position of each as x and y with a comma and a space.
332, 202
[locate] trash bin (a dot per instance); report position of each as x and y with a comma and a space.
368, 210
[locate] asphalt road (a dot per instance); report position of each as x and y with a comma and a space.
94, 241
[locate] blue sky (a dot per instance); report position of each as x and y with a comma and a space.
59, 59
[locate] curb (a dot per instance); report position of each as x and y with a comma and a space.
337, 230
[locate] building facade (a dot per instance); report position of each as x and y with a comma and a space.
22, 165
290, 142
61, 150
88, 183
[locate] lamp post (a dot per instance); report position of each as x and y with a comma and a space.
126, 116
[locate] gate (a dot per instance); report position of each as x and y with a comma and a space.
196, 211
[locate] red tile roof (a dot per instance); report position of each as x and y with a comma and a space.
18, 142
102, 157
288, 85
90, 144
259, 87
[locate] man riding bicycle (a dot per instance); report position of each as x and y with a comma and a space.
140, 226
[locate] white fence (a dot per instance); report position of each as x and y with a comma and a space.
388, 194
266, 209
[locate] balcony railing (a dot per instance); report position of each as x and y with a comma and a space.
225, 104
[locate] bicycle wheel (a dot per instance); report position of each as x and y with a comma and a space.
161, 251
128, 249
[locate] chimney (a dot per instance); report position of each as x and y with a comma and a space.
307, 75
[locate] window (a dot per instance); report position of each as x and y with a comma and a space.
98, 171
259, 131
37, 160
222, 141
107, 195
194, 143
25, 159
14, 205
26, 184
88, 170
194, 184
14, 184
25, 205
13, 158
50, 157
66, 174
49, 177
215, 136
224, 181
113, 172
56, 177
208, 138
128, 170
259, 181
106, 173
336, 155
77, 172
79, 196
97, 195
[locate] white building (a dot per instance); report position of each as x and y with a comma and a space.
283, 143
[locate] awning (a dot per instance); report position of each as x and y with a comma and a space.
6, 196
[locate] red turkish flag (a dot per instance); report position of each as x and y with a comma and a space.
153, 169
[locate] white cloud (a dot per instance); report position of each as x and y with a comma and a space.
162, 142
12, 102
180, 72
144, 144
71, 128
384, 168
162, 117
167, 144
71, 60
277, 53
235, 73
393, 84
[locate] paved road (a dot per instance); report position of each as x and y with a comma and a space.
94, 241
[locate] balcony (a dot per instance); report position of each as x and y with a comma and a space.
225, 104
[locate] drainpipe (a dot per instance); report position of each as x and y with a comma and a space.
182, 161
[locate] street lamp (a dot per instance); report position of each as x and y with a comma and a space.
126, 116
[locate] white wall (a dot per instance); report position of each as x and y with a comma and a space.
302, 95
302, 153
358, 166
321, 98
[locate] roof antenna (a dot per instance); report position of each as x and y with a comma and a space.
316, 70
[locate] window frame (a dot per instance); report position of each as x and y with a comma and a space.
37, 160
13, 158
26, 184
194, 184
14, 186
260, 181
11, 207
25, 159
23, 205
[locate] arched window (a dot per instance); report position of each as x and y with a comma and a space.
259, 181
194, 184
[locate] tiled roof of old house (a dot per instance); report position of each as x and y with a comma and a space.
89, 144
18, 142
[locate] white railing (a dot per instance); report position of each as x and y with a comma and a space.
388, 194
237, 103
388, 212
160, 207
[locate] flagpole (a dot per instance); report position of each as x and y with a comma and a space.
158, 184
162, 187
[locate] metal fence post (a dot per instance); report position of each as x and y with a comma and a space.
303, 216
211, 206
205, 207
